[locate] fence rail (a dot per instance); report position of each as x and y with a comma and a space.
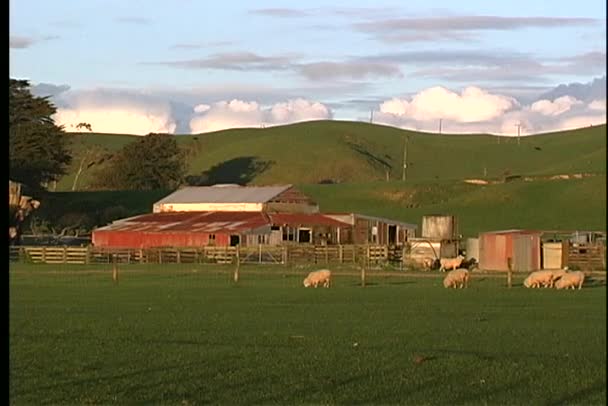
588, 257
265, 254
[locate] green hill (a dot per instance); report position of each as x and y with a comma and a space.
341, 151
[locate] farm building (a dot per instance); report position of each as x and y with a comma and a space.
237, 215
377, 230
196, 229
235, 198
521, 247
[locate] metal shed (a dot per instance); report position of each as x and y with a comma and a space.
521, 247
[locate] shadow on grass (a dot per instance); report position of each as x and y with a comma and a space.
241, 170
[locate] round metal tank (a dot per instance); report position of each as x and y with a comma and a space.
439, 227
472, 249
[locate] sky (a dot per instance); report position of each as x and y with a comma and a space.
187, 66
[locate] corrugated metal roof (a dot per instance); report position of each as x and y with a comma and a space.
224, 194
191, 222
305, 219
380, 219
513, 231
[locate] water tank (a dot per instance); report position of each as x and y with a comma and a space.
439, 227
472, 249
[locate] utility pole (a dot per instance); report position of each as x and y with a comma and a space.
440, 120
404, 158
371, 116
518, 125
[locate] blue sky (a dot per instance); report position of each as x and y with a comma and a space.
127, 60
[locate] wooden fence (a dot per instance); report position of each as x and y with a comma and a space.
587, 257
261, 254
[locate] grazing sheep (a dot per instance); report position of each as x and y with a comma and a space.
427, 263
537, 278
557, 275
458, 278
571, 280
450, 263
315, 278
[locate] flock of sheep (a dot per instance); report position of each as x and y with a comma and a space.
459, 278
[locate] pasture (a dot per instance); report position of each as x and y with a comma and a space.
186, 334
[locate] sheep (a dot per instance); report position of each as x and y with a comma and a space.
428, 263
456, 278
315, 278
450, 263
557, 274
537, 278
571, 280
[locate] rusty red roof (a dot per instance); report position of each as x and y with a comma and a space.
191, 222
216, 222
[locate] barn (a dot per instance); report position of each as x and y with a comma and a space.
236, 198
230, 215
521, 247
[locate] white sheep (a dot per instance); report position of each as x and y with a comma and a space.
537, 278
571, 280
427, 263
450, 263
557, 274
457, 278
315, 278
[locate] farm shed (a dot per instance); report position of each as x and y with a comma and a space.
555, 254
521, 246
197, 229
376, 230
318, 229
182, 229
235, 198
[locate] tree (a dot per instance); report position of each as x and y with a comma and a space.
152, 162
38, 151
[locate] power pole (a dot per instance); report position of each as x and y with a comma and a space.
403, 177
518, 125
371, 116
440, 120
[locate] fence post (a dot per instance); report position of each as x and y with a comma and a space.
363, 274
44, 255
238, 263
260, 253
340, 253
114, 269
65, 254
509, 272
284, 254
326, 253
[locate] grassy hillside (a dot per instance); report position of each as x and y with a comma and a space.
546, 204
342, 151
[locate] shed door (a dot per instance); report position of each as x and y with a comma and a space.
522, 253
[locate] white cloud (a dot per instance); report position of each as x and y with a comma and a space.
473, 104
598, 105
555, 107
475, 110
114, 112
246, 114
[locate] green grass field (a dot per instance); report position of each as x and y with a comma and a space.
182, 335
343, 151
